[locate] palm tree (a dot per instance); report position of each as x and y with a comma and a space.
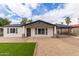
68, 20
25, 21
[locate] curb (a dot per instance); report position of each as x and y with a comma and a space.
35, 50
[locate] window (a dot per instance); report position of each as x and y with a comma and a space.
41, 31
12, 30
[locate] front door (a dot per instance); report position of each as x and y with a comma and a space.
28, 31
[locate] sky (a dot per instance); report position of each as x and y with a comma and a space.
50, 12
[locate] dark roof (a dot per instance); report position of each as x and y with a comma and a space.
63, 26
19, 25
58, 25
39, 21
13, 25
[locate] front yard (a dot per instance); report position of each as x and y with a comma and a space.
44, 46
17, 49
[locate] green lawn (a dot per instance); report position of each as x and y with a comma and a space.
17, 49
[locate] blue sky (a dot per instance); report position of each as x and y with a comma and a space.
39, 10
45, 7
51, 12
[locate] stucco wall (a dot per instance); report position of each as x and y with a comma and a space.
55, 30
18, 34
22, 30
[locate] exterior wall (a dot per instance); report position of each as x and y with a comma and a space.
22, 30
51, 29
18, 34
75, 31
49, 32
55, 30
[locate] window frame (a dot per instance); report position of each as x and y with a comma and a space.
41, 31
12, 30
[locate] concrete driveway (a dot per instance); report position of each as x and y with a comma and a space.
47, 46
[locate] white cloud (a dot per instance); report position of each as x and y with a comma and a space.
56, 16
34, 5
22, 10
19, 9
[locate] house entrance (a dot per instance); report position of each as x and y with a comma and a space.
28, 31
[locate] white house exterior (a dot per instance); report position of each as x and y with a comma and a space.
8, 33
33, 29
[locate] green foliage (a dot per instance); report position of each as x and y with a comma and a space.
25, 20
68, 20
4, 21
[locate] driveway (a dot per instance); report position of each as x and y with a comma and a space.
47, 46
56, 46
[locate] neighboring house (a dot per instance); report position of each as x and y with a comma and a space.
64, 29
33, 29
75, 29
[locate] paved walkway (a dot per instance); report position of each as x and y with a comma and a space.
51, 46
54, 46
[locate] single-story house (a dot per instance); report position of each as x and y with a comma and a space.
33, 29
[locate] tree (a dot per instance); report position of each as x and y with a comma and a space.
25, 20
68, 20
4, 21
